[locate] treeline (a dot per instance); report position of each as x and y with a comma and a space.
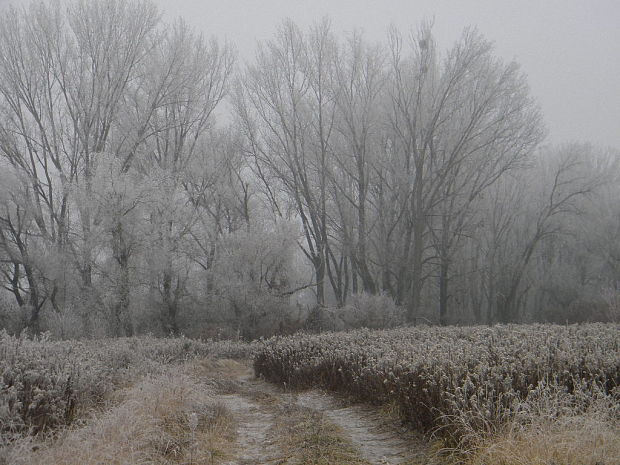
350, 177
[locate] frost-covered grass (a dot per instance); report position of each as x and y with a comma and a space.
170, 418
463, 384
45, 383
591, 438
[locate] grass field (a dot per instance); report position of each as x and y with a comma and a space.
486, 392
508, 395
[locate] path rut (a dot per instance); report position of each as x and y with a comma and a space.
253, 442
376, 442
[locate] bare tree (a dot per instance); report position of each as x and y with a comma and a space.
197, 75
360, 76
470, 113
285, 106
85, 83
550, 192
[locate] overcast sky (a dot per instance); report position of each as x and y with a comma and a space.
569, 49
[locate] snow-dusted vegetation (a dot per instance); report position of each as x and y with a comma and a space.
457, 382
46, 384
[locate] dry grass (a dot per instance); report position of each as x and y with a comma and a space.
305, 437
585, 440
314, 441
223, 375
555, 427
169, 419
174, 418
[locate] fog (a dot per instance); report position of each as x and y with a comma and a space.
568, 49
411, 204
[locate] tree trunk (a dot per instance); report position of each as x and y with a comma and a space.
362, 264
33, 301
443, 292
417, 281
170, 305
122, 320
319, 269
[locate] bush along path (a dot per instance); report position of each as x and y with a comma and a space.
455, 382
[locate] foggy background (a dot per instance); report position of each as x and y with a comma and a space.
568, 49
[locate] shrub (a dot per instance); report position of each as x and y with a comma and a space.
451, 380
373, 311
362, 311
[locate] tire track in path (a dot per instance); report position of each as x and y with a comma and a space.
254, 444
364, 426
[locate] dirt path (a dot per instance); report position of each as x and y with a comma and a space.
214, 412
253, 426
264, 415
376, 441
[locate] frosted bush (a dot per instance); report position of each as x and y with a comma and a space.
374, 311
453, 380
45, 383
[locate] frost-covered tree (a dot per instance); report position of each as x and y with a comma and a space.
457, 121
88, 85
